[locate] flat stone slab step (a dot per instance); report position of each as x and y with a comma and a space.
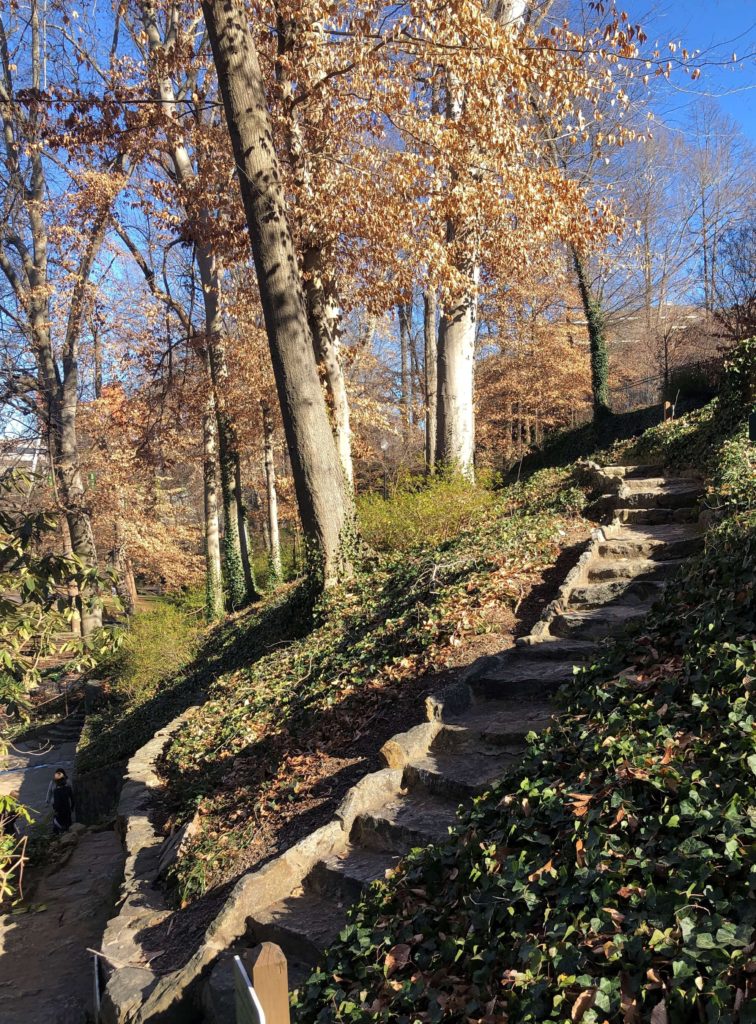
303, 925
630, 591
552, 649
495, 721
347, 874
674, 541
653, 516
460, 774
636, 469
522, 678
634, 569
417, 819
658, 493
598, 622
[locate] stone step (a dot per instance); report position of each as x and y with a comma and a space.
348, 873
417, 819
653, 516
462, 773
303, 925
494, 721
631, 591
634, 569
551, 649
653, 542
598, 622
658, 493
522, 678
635, 470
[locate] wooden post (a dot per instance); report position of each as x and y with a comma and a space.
268, 972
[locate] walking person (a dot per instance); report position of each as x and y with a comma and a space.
60, 795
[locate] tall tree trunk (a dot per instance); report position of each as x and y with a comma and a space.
243, 528
320, 291
455, 444
270, 485
214, 571
237, 574
594, 316
239, 581
323, 316
430, 332
318, 476
405, 325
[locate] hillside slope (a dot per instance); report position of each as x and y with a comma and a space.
611, 876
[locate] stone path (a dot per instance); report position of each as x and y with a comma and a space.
46, 973
482, 726
28, 766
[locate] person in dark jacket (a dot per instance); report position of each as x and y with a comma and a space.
60, 795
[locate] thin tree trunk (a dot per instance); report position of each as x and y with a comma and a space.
243, 528
214, 571
270, 484
239, 581
405, 314
97, 345
594, 316
430, 331
228, 447
318, 475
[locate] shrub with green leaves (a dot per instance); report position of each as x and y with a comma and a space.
157, 644
429, 512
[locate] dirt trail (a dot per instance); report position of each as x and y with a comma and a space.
45, 971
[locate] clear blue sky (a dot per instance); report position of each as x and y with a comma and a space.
719, 28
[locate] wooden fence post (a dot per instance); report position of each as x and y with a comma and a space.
268, 972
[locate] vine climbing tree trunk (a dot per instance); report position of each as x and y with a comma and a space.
324, 506
594, 316
214, 571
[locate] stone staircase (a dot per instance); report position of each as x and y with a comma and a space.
477, 728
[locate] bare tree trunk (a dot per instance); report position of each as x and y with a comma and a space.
405, 325
243, 529
455, 445
239, 580
318, 475
214, 571
323, 316
430, 330
320, 291
270, 484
